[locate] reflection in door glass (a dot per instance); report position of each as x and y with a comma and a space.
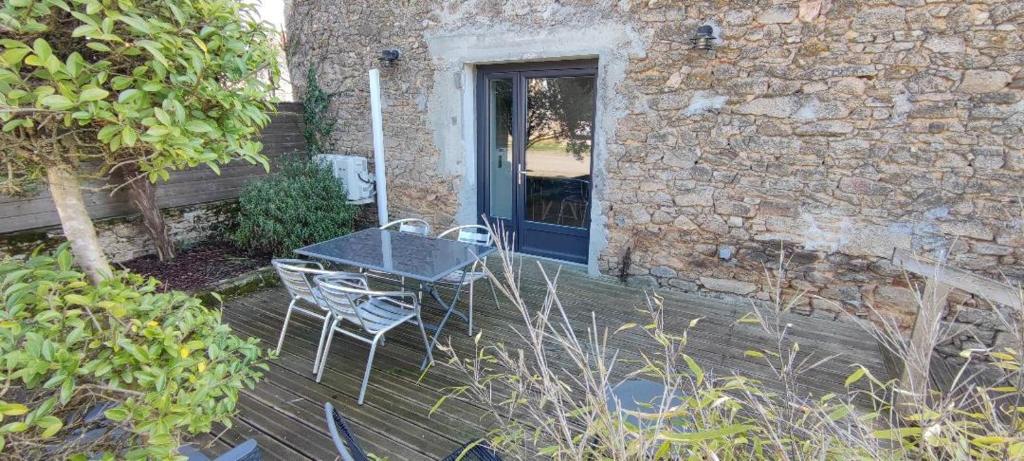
499, 149
559, 129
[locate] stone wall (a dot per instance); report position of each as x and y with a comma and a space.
836, 130
125, 237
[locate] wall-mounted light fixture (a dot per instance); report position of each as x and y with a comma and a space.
704, 38
388, 56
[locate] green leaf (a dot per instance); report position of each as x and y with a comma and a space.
14, 56
42, 50
854, 377
699, 436
897, 433
198, 126
694, 368
18, 426
50, 425
57, 102
154, 49
129, 136
108, 132
76, 299
97, 46
12, 409
92, 94
118, 413
128, 94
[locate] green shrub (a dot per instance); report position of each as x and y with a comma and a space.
162, 364
299, 204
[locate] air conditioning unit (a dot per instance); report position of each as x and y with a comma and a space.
352, 171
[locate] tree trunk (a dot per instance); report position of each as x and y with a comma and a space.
143, 197
78, 228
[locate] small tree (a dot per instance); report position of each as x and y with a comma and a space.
136, 89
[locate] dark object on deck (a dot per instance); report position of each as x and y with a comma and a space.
346, 443
477, 450
246, 451
348, 446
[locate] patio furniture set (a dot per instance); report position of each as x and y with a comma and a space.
344, 302
398, 251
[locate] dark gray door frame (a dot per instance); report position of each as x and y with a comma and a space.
519, 73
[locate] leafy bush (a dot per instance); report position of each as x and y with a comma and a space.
539, 410
299, 204
158, 365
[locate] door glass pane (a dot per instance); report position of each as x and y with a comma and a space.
559, 129
499, 148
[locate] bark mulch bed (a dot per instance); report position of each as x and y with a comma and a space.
198, 267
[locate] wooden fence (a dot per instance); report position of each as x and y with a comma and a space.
199, 185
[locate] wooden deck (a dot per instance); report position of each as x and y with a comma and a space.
285, 412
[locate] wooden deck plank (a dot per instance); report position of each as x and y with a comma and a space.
285, 411
727, 360
722, 347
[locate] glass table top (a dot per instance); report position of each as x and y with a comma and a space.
422, 258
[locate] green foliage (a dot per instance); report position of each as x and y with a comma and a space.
300, 204
162, 363
167, 84
316, 106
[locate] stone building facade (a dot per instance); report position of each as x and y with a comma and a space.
836, 130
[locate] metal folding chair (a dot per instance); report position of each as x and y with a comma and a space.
478, 235
349, 299
296, 275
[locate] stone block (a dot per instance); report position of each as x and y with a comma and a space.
728, 285
945, 44
970, 229
884, 19
663, 271
777, 15
698, 197
825, 128
782, 106
984, 81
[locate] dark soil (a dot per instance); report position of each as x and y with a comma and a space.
198, 267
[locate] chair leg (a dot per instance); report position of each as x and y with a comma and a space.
369, 367
426, 341
284, 328
470, 320
320, 345
327, 351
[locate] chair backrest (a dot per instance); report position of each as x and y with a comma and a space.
295, 274
470, 233
340, 292
344, 441
410, 225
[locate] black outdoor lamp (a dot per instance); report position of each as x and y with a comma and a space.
704, 38
389, 56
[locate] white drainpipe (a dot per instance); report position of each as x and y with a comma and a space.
378, 147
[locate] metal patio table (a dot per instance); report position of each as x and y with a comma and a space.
425, 259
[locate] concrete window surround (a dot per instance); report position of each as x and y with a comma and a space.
457, 56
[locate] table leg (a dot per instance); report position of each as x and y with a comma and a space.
448, 313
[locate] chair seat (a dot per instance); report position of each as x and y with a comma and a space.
456, 277
378, 314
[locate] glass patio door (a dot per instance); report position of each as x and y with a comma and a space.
536, 131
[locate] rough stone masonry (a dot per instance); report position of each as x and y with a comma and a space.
834, 130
